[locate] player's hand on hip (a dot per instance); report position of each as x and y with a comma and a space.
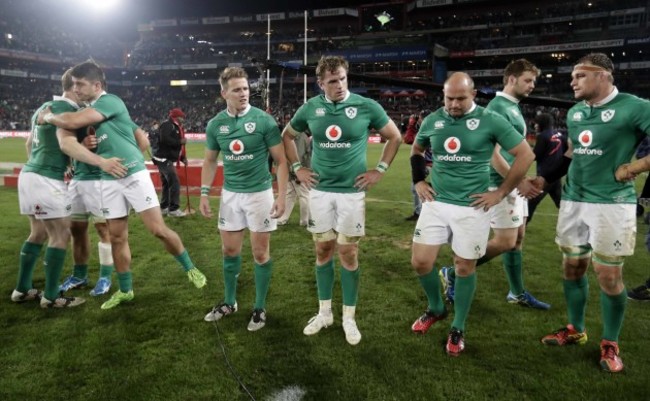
204, 207
486, 200
307, 177
365, 181
528, 189
114, 167
425, 192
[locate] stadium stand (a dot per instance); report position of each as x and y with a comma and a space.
415, 42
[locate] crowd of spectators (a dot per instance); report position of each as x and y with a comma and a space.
150, 101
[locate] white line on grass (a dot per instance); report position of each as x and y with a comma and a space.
291, 393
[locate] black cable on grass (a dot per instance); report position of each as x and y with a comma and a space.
232, 370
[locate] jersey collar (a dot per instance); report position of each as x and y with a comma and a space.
65, 99
328, 100
605, 100
242, 114
98, 97
509, 97
471, 109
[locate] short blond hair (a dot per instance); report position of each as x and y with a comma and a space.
230, 73
66, 80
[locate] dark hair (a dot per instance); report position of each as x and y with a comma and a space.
544, 121
517, 67
598, 59
89, 70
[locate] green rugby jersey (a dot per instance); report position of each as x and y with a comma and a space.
87, 172
244, 141
115, 134
462, 149
339, 137
507, 107
46, 157
603, 138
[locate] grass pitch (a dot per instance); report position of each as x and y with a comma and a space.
159, 348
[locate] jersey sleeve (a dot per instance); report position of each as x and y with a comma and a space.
642, 116
211, 132
378, 116
505, 134
272, 132
299, 120
421, 138
109, 106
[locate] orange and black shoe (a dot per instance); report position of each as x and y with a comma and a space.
455, 342
424, 322
609, 359
565, 336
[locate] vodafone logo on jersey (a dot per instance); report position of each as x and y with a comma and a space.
452, 145
585, 138
333, 133
237, 147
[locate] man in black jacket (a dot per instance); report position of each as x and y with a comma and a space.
549, 148
168, 152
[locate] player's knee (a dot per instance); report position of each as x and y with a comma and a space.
608, 260
343, 239
576, 252
327, 236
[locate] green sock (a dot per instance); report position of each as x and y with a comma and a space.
512, 266
325, 280
126, 281
465, 288
28, 256
575, 293
80, 271
54, 260
106, 271
184, 260
613, 310
231, 269
431, 285
350, 286
262, 282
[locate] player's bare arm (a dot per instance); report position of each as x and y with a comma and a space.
71, 120
142, 139
71, 147
306, 176
207, 176
524, 157
278, 154
393, 138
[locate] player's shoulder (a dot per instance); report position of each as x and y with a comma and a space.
216, 119
626, 99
